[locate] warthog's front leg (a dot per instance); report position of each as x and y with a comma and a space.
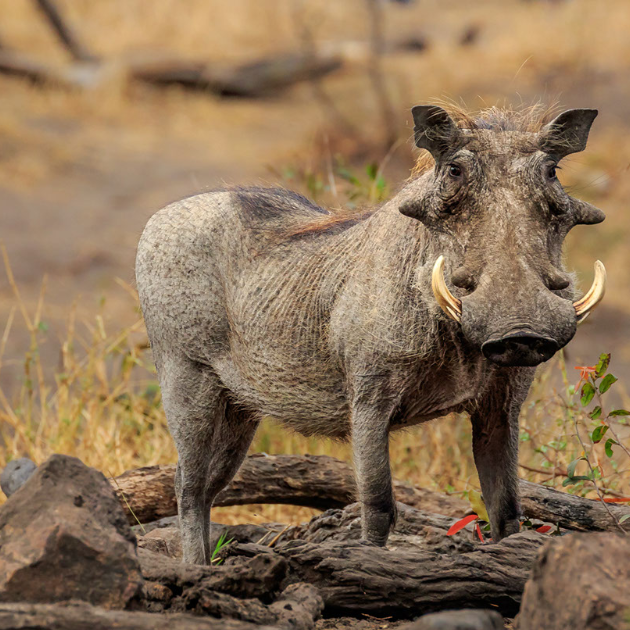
370, 445
495, 447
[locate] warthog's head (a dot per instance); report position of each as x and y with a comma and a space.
500, 216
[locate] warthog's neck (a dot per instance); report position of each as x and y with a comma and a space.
387, 304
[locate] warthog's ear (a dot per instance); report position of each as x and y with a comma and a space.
568, 132
434, 130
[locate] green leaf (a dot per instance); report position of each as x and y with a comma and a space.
572, 465
608, 447
572, 480
380, 184
588, 391
344, 173
371, 170
625, 517
602, 365
606, 384
619, 412
596, 412
599, 433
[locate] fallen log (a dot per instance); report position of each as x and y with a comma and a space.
570, 511
250, 588
412, 576
323, 482
79, 617
415, 530
254, 79
315, 481
355, 578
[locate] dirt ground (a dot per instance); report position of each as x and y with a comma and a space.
81, 172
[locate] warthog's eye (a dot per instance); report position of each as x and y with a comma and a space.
455, 171
551, 172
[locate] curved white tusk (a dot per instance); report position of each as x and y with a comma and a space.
447, 301
595, 294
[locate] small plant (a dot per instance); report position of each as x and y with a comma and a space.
588, 431
221, 544
348, 185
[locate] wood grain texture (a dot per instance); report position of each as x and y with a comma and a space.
323, 482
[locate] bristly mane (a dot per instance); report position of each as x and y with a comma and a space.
333, 222
525, 119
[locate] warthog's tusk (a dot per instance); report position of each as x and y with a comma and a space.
447, 301
595, 294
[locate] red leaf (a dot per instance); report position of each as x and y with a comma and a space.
543, 529
479, 533
455, 527
614, 499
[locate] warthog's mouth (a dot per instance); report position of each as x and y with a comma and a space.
452, 306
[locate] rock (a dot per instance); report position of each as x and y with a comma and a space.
64, 536
579, 582
15, 474
471, 619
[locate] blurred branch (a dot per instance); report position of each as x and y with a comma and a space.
65, 34
250, 80
19, 65
375, 69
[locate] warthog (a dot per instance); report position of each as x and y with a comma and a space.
258, 302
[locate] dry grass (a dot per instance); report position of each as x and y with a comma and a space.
102, 404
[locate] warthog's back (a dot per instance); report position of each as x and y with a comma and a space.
225, 280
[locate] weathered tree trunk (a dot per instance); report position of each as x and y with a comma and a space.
354, 578
569, 511
315, 481
323, 482
80, 617
250, 588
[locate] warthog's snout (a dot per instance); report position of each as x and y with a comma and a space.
520, 348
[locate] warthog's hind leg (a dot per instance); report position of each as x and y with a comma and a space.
212, 438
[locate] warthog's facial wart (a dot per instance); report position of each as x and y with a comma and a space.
494, 201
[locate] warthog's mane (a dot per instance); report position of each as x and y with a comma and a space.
523, 119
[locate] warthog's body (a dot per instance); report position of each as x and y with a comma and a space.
257, 303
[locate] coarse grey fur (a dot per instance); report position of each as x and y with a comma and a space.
257, 302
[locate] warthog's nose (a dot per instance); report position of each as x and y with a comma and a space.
519, 348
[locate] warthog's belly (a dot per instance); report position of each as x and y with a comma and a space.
311, 398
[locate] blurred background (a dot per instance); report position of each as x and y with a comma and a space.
110, 110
